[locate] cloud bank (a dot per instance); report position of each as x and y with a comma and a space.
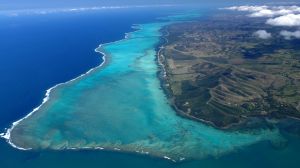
267, 11
69, 10
285, 20
278, 15
263, 34
288, 16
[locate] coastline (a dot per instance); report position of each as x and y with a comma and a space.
162, 75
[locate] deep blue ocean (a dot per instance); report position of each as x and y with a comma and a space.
39, 51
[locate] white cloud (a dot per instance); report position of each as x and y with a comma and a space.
263, 13
289, 35
267, 11
285, 20
247, 8
278, 15
263, 34
270, 13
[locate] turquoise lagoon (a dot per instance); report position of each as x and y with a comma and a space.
121, 106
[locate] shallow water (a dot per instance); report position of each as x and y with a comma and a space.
121, 106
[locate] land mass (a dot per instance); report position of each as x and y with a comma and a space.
217, 71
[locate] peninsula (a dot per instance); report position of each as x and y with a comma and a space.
121, 107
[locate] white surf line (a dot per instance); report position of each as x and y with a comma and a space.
45, 99
7, 134
99, 148
117, 149
168, 158
142, 152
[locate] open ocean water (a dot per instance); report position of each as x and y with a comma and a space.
39, 51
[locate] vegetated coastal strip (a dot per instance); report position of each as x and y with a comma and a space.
215, 71
165, 84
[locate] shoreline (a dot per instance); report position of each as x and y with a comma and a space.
162, 76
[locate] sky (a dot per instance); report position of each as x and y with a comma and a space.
30, 4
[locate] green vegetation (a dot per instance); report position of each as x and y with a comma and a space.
219, 72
